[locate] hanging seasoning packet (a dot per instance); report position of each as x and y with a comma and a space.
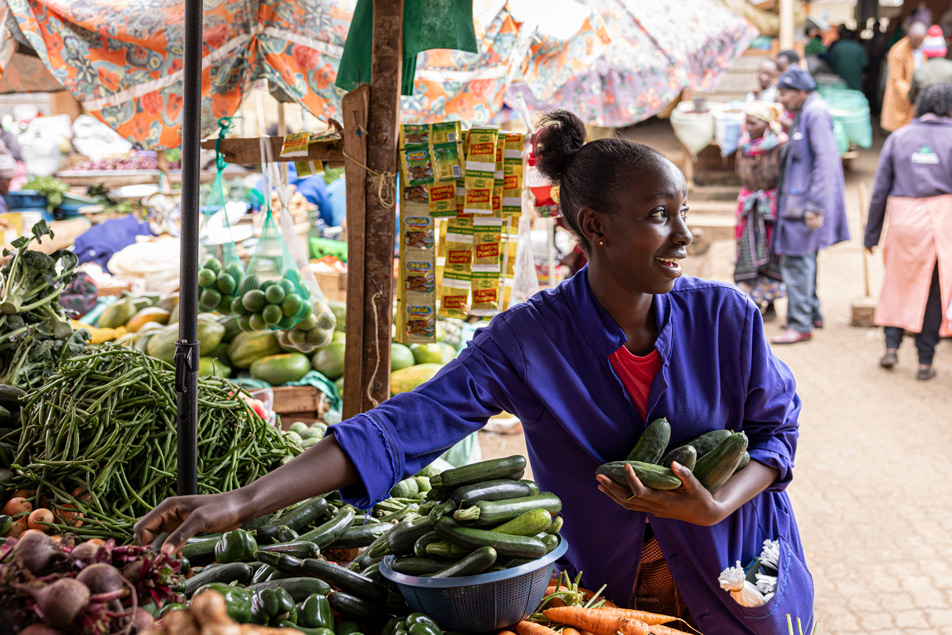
485, 294
499, 174
415, 135
420, 320
442, 197
416, 164
480, 170
454, 296
459, 246
487, 240
419, 194
512, 175
418, 230
447, 154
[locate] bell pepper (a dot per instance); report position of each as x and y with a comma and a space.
236, 546
316, 612
270, 607
306, 630
238, 601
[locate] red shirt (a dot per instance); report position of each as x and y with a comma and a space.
637, 373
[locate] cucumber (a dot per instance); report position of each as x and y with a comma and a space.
419, 547
330, 531
652, 442
413, 565
200, 551
714, 468
556, 525
527, 524
344, 579
361, 536
477, 472
357, 609
743, 462
497, 489
474, 563
298, 549
300, 588
653, 476
706, 442
686, 455
296, 519
504, 544
233, 572
550, 541
495, 512
402, 539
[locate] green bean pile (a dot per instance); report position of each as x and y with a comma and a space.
105, 422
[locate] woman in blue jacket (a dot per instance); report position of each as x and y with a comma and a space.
552, 362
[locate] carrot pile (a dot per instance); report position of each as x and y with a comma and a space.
580, 620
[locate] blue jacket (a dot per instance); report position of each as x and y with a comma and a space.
812, 182
546, 361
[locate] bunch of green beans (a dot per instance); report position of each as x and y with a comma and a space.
99, 438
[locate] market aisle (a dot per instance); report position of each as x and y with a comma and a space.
872, 444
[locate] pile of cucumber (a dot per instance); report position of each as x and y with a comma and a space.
217, 285
477, 518
272, 304
713, 457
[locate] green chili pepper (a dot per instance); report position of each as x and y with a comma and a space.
236, 546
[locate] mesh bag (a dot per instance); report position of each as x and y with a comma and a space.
221, 273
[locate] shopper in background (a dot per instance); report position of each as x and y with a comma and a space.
812, 211
757, 269
901, 62
913, 187
767, 74
936, 69
876, 48
786, 59
848, 59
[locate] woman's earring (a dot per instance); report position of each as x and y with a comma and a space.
602, 243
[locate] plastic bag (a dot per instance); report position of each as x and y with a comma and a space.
525, 282
221, 274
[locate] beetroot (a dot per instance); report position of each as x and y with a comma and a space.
141, 620
61, 602
36, 552
86, 552
101, 578
40, 629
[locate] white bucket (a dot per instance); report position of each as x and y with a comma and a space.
694, 129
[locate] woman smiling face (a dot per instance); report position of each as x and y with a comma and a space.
640, 243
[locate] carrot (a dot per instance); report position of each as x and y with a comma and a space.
642, 616
596, 621
658, 629
570, 631
531, 628
505, 633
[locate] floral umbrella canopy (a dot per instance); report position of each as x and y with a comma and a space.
657, 49
123, 60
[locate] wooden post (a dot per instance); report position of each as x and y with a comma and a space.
786, 24
370, 267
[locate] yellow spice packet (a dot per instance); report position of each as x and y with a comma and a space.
414, 135
442, 196
485, 289
419, 319
418, 230
479, 195
295, 145
417, 164
481, 152
454, 296
487, 241
419, 273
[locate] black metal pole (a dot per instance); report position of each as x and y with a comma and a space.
186, 349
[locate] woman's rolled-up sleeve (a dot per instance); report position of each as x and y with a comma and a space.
772, 407
409, 431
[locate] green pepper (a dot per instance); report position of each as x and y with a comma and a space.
306, 630
272, 606
238, 601
424, 629
347, 627
315, 612
236, 546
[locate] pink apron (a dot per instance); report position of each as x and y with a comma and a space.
919, 232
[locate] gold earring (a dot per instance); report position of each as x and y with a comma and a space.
601, 242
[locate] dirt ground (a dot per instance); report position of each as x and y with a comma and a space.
869, 484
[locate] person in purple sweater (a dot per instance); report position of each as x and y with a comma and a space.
548, 361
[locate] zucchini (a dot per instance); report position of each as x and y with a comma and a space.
419, 547
714, 468
477, 472
495, 512
527, 524
441, 510
344, 579
686, 455
706, 442
262, 573
330, 531
551, 541
518, 562
200, 550
361, 536
298, 549
233, 572
296, 519
357, 609
414, 565
743, 462
474, 563
300, 588
369, 555
494, 490
286, 534
652, 442
447, 550
402, 539
256, 523
373, 572
504, 544
653, 476
556, 525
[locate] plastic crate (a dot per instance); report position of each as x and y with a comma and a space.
66, 211
25, 200
480, 603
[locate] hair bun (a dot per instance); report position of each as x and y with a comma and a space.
560, 137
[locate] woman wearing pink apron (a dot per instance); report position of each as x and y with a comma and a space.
913, 188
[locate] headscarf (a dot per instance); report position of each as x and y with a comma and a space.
774, 134
795, 78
